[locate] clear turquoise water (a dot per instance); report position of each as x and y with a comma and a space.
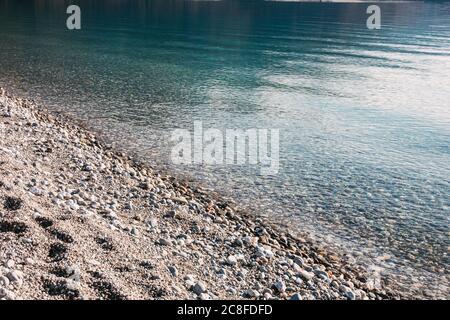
364, 116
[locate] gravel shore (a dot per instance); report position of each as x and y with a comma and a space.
79, 220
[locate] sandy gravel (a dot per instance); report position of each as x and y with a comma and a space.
81, 221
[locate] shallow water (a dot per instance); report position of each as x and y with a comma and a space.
364, 116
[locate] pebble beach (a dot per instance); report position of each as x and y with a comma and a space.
80, 220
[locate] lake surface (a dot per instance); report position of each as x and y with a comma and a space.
364, 115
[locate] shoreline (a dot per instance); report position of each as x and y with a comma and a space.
79, 220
